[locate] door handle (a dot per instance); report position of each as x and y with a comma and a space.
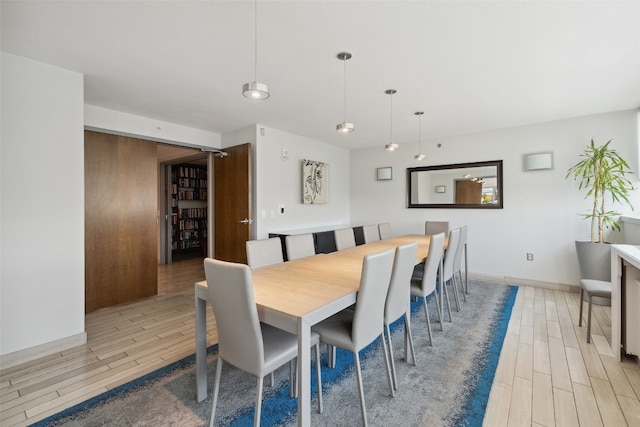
246, 221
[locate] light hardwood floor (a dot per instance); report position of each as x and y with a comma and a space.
124, 343
547, 375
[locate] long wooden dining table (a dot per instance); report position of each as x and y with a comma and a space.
294, 296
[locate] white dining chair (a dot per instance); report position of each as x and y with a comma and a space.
457, 261
261, 253
592, 288
595, 277
466, 260
460, 260
385, 230
244, 342
354, 330
371, 233
435, 227
424, 286
449, 256
299, 246
398, 302
344, 238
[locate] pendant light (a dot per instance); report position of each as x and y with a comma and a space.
419, 156
255, 89
391, 145
345, 127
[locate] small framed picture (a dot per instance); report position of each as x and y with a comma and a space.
385, 173
441, 189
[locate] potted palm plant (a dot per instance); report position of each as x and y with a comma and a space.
602, 173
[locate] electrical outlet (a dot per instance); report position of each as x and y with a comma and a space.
529, 256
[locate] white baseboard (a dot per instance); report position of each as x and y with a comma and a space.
525, 282
22, 356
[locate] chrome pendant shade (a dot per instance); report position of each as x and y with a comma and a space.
391, 146
345, 126
419, 156
255, 90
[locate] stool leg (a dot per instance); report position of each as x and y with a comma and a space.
589, 322
581, 300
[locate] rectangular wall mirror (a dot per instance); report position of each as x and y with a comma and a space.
467, 185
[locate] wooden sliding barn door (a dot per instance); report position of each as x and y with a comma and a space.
120, 219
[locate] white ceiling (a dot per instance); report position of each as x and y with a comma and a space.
470, 66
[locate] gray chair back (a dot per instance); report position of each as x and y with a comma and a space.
450, 254
368, 319
431, 264
435, 227
299, 246
261, 253
594, 260
371, 233
398, 296
457, 261
385, 230
344, 238
234, 307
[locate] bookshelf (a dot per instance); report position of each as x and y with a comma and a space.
188, 210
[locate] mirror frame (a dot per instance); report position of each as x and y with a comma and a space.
496, 163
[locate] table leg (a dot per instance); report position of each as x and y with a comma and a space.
201, 348
304, 370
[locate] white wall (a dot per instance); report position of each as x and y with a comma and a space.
119, 123
42, 194
42, 212
241, 136
42, 201
541, 208
279, 182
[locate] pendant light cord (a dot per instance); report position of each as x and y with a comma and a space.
391, 117
255, 35
419, 135
419, 156
344, 61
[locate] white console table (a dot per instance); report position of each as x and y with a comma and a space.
625, 299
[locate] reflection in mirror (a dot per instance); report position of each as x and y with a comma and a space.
460, 185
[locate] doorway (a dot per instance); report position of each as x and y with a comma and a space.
183, 189
228, 196
127, 233
180, 264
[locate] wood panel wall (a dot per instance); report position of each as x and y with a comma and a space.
121, 235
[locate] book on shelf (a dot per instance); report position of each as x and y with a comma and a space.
189, 223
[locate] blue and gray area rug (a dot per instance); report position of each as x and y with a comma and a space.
449, 386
